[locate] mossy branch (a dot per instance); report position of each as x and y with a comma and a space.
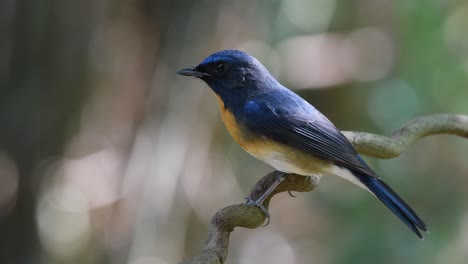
225, 220
383, 147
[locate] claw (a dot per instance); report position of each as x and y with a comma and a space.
261, 199
250, 201
267, 215
292, 195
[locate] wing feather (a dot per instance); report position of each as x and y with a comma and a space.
316, 136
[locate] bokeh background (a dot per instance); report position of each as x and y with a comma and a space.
107, 156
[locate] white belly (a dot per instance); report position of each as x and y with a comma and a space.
283, 162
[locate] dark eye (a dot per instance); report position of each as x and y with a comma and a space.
220, 68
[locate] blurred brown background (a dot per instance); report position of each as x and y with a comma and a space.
107, 156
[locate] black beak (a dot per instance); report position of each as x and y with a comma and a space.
191, 72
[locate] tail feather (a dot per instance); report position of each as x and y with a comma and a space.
388, 197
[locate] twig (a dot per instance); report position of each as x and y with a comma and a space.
383, 147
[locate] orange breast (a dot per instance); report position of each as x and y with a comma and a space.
231, 124
279, 156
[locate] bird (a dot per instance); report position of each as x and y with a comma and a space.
280, 128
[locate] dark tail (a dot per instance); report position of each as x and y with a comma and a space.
385, 194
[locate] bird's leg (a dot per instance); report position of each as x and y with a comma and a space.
259, 202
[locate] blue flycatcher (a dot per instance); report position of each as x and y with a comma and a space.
277, 126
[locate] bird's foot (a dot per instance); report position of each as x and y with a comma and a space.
259, 204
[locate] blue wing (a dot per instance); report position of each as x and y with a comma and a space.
286, 118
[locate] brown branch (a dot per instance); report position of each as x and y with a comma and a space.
383, 147
241, 215
225, 220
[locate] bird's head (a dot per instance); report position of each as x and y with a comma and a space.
233, 75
